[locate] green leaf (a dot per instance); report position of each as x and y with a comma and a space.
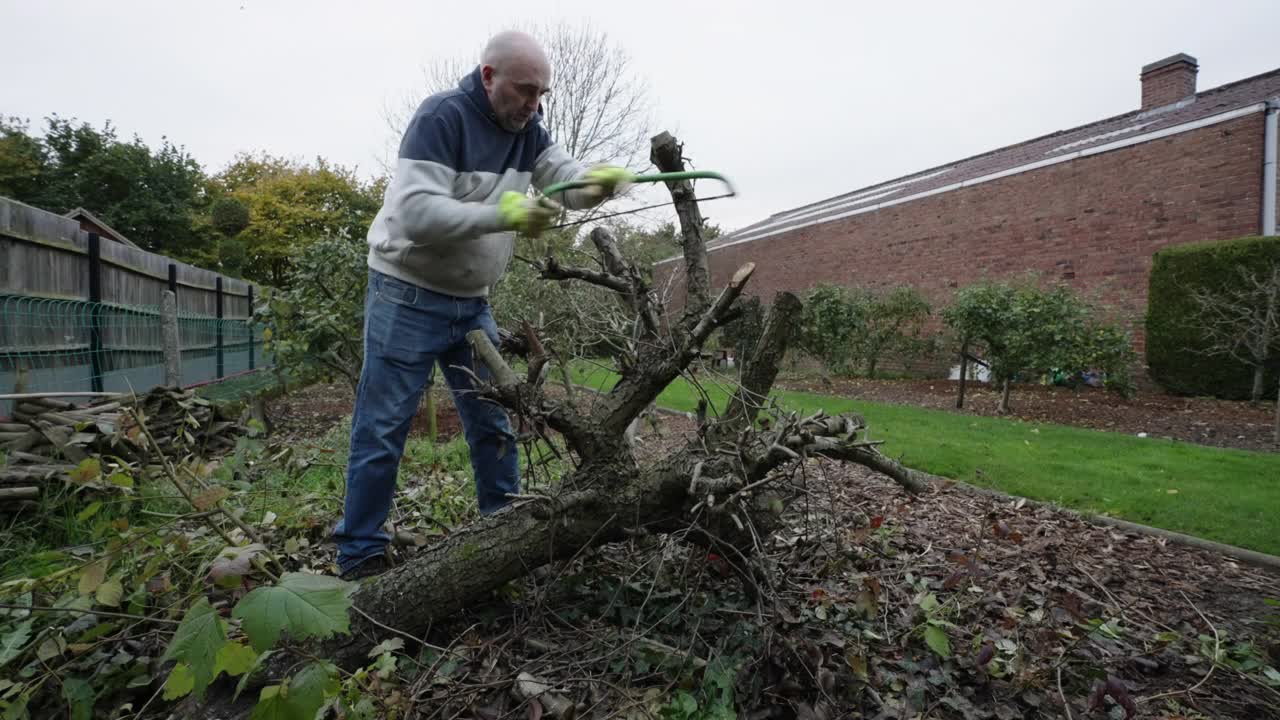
13, 641
244, 679
200, 635
180, 682
17, 709
307, 690
87, 471
387, 646
110, 593
92, 576
937, 640
299, 701
235, 659
272, 705
96, 632
305, 605
51, 648
121, 480
79, 696
89, 511
928, 602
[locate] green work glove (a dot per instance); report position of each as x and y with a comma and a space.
607, 181
526, 215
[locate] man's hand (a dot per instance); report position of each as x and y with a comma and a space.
526, 215
607, 181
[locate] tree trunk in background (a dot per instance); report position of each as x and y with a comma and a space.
964, 372
1004, 399
566, 377
1259, 380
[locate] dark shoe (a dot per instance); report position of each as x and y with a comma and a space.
369, 567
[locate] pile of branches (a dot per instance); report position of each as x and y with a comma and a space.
49, 438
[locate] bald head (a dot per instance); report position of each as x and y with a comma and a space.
516, 75
513, 46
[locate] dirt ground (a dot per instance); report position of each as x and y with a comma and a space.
309, 412
1205, 421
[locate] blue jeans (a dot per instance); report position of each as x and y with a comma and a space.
407, 330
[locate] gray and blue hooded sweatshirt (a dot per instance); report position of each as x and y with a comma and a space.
439, 226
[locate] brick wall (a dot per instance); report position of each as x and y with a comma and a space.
1094, 222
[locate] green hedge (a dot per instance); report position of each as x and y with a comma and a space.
1175, 351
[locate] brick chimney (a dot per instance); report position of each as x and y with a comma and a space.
1169, 80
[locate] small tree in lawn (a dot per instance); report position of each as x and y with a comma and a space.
1020, 328
892, 322
833, 319
981, 317
1243, 322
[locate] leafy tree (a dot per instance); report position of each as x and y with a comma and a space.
892, 323
1018, 328
289, 207
314, 319
832, 319
847, 326
148, 195
23, 159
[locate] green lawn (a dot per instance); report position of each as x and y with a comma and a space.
1230, 496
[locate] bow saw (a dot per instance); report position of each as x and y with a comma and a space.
653, 178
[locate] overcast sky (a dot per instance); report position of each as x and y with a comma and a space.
796, 101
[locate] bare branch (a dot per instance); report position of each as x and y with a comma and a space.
666, 154
551, 269
527, 400
715, 317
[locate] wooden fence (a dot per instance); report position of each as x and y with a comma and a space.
81, 310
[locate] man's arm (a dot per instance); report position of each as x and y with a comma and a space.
555, 165
420, 199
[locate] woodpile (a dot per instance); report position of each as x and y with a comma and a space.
48, 438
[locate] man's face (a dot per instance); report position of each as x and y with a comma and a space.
515, 91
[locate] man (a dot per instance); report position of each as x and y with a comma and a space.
442, 239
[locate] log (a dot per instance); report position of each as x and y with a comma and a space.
19, 493
53, 404
46, 395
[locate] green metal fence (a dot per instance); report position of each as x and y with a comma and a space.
51, 345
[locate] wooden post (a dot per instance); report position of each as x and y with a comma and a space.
172, 350
95, 311
250, 323
218, 306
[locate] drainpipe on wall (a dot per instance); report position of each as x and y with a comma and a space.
1269, 168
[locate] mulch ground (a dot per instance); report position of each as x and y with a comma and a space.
1205, 421
1044, 614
